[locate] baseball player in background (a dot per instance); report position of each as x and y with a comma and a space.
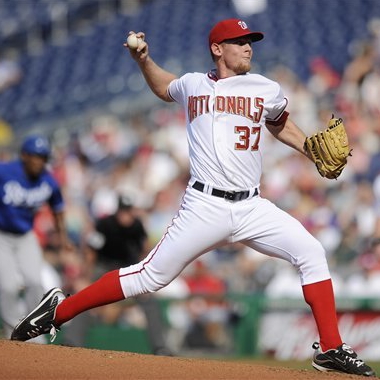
228, 109
25, 185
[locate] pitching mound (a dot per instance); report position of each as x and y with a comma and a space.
33, 361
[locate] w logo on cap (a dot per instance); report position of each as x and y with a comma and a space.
243, 25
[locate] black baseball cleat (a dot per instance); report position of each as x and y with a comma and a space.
41, 319
342, 359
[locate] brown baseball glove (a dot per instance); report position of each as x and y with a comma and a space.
329, 149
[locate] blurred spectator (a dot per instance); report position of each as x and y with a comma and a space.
323, 81
10, 72
249, 7
175, 296
370, 91
349, 94
366, 281
374, 29
6, 137
208, 308
119, 240
346, 253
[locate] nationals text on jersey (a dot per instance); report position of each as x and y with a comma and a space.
237, 105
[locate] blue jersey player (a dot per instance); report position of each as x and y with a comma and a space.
25, 186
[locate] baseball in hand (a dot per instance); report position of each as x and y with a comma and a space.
133, 41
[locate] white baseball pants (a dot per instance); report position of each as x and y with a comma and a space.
205, 222
21, 263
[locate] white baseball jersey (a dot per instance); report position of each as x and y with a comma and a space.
225, 120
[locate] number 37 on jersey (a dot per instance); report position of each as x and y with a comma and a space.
247, 137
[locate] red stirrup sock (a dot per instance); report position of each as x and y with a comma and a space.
102, 292
320, 297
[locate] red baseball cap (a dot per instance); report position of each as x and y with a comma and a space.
232, 28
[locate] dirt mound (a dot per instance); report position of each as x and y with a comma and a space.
33, 361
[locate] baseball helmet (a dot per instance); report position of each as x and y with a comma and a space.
37, 145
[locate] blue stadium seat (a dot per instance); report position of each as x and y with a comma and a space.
92, 68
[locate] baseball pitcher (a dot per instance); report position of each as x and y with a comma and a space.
228, 110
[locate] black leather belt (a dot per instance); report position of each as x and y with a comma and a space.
230, 195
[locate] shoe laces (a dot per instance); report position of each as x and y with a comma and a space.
356, 362
348, 353
348, 350
53, 333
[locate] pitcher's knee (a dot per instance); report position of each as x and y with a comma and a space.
314, 267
